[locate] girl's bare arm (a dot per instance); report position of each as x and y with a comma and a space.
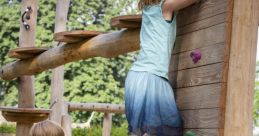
174, 5
169, 6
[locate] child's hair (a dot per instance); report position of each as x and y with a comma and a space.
47, 128
143, 3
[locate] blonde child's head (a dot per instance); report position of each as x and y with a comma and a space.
143, 3
46, 128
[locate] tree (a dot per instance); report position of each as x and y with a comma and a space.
91, 80
256, 97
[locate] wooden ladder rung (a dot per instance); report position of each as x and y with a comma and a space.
75, 36
126, 21
26, 52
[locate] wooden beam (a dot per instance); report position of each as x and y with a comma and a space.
100, 107
241, 74
26, 96
57, 80
104, 45
107, 124
66, 124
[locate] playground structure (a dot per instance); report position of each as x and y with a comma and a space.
214, 95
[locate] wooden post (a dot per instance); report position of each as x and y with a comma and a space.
107, 124
26, 88
241, 75
66, 121
66, 124
57, 82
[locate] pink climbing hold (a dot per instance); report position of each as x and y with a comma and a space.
196, 56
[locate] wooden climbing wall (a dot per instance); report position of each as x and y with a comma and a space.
200, 88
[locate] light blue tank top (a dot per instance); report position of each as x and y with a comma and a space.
157, 37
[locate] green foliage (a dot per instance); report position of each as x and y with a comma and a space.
7, 128
97, 131
256, 97
91, 80
9, 28
189, 133
93, 131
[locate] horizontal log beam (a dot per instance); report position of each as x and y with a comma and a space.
104, 45
99, 107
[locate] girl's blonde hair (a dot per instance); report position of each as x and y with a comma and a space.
143, 3
46, 128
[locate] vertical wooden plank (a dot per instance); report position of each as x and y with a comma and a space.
26, 96
66, 124
57, 83
241, 74
66, 121
107, 124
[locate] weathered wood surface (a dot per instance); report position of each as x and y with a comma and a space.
104, 45
200, 38
199, 97
198, 12
198, 76
241, 74
24, 115
23, 129
26, 96
205, 23
100, 107
57, 80
66, 124
126, 21
26, 52
5, 134
201, 118
107, 124
24, 110
205, 12
75, 36
210, 55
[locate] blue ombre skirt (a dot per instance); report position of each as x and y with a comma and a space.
150, 106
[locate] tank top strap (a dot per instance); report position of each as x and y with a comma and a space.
161, 2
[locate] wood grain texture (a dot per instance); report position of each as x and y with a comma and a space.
26, 52
26, 96
75, 36
66, 124
198, 12
197, 76
202, 118
24, 115
200, 38
126, 21
107, 124
241, 74
199, 97
57, 79
210, 54
104, 45
202, 24
100, 107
